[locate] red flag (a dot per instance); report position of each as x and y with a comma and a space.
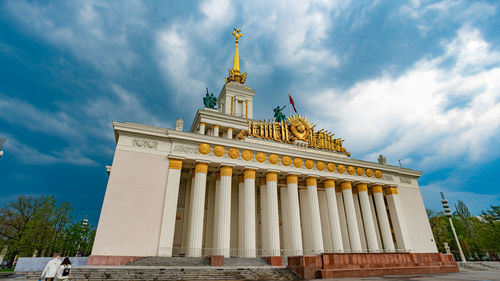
291, 102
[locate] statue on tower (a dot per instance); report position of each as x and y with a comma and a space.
278, 115
234, 73
210, 100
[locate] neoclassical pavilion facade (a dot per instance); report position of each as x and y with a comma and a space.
233, 186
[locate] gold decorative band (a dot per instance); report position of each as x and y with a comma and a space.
329, 183
377, 189
202, 124
175, 164
216, 126
201, 168
391, 190
292, 179
311, 181
249, 174
345, 185
217, 176
271, 176
226, 171
262, 181
362, 187
229, 129
240, 179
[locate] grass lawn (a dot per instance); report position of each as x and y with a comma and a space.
7, 269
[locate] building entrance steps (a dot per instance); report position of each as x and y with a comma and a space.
125, 273
187, 261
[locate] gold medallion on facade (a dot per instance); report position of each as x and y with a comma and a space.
359, 171
233, 153
330, 167
261, 157
297, 162
204, 148
378, 174
351, 170
320, 165
341, 169
219, 151
274, 159
369, 173
286, 160
309, 164
247, 155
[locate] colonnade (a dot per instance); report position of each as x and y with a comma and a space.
317, 216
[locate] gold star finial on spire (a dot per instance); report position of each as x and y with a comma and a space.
235, 74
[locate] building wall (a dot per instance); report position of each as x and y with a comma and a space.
131, 214
419, 229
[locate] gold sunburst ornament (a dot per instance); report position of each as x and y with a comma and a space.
300, 127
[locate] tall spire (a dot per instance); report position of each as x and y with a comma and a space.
235, 74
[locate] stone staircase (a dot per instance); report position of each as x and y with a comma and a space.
479, 266
153, 273
180, 268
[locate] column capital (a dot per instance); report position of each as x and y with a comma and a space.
391, 190
271, 176
248, 173
202, 124
346, 185
362, 187
377, 188
216, 126
292, 178
175, 163
311, 181
200, 167
329, 183
226, 171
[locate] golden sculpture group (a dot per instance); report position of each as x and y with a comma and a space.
296, 128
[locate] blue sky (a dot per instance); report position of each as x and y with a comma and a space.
413, 80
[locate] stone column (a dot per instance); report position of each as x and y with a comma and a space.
263, 217
170, 208
306, 223
293, 206
202, 128
273, 224
215, 131
229, 133
223, 213
197, 207
342, 219
371, 237
241, 219
359, 219
383, 221
398, 219
314, 215
285, 219
186, 212
333, 216
249, 241
325, 221
209, 233
352, 224
375, 221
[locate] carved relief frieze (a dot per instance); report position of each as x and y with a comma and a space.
405, 180
145, 143
387, 178
185, 148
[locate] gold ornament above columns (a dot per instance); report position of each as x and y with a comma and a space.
219, 151
369, 173
341, 169
320, 165
273, 159
204, 148
330, 167
261, 157
247, 155
378, 174
286, 161
233, 153
309, 164
297, 162
351, 170
359, 171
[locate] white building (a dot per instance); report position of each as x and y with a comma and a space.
234, 186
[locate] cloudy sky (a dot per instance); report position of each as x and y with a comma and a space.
417, 81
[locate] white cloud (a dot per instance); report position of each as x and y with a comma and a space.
442, 112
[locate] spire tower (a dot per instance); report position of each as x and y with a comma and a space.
235, 74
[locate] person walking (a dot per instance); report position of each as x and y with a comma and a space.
64, 270
50, 270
